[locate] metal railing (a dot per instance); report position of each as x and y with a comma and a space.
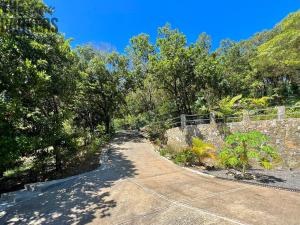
263, 114
293, 112
275, 113
197, 119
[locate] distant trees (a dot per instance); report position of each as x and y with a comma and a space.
278, 59
103, 87
190, 78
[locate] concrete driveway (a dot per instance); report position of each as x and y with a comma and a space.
139, 187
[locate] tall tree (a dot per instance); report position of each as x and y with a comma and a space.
36, 86
104, 83
173, 69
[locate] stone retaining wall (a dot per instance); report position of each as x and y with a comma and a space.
283, 133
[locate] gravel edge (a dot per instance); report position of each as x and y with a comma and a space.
222, 178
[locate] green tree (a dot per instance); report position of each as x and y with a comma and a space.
278, 58
173, 69
142, 96
139, 52
103, 88
37, 83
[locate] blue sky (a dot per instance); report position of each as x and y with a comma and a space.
109, 24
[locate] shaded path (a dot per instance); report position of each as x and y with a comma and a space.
139, 187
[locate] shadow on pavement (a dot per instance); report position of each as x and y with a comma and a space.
267, 179
78, 200
125, 136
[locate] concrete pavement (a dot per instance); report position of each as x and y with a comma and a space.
139, 187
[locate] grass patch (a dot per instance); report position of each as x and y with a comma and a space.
164, 152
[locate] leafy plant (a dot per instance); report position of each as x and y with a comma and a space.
226, 105
254, 103
26, 166
131, 122
242, 147
294, 111
203, 150
186, 157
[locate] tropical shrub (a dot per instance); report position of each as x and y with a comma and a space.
130, 122
203, 150
186, 157
227, 105
256, 103
294, 111
242, 147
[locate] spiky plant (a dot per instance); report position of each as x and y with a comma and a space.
203, 150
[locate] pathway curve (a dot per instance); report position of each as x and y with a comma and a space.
139, 187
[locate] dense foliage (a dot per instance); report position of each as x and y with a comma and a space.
175, 77
38, 80
54, 99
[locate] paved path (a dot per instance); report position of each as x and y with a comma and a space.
142, 188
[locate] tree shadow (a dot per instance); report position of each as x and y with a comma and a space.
268, 179
257, 177
78, 200
125, 136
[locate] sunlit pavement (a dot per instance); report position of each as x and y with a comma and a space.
139, 187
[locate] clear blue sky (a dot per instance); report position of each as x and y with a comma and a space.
111, 23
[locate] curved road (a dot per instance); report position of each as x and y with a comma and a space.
137, 186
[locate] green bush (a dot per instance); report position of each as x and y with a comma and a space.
294, 111
186, 157
256, 103
26, 166
241, 147
156, 131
